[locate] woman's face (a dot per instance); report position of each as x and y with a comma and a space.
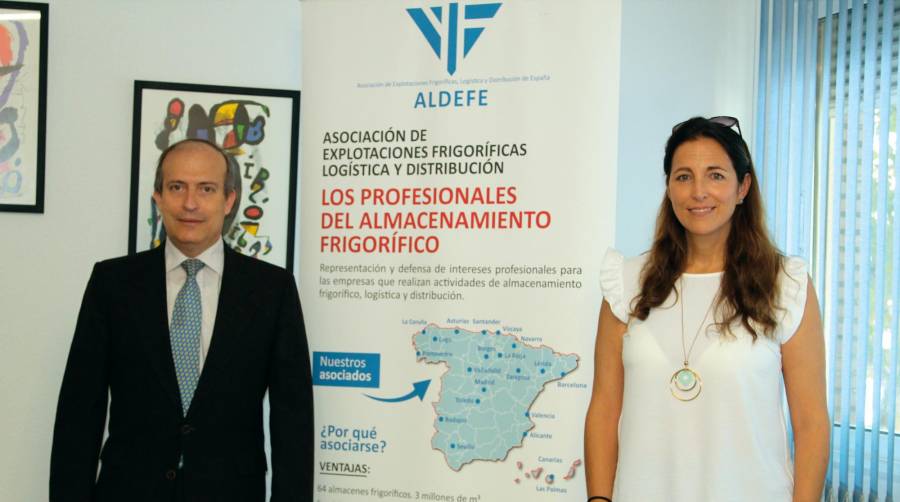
704, 188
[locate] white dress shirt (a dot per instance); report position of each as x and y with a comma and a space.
209, 278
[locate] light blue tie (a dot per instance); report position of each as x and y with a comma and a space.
185, 333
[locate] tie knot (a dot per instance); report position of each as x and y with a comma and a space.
192, 266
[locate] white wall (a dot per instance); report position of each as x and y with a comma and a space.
97, 49
679, 59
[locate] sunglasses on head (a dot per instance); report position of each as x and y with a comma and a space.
722, 120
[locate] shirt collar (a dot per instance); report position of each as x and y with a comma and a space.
213, 257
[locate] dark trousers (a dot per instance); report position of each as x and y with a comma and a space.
179, 486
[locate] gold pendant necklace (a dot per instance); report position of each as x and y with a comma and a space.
686, 384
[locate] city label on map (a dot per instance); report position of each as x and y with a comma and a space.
487, 393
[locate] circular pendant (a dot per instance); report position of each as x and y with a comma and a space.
685, 384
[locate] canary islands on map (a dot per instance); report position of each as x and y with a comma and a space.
492, 381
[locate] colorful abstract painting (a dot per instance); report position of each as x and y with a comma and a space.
257, 129
23, 91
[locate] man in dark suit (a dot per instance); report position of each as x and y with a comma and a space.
185, 340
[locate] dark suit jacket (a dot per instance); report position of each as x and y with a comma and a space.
121, 349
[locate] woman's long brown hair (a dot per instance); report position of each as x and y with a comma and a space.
749, 283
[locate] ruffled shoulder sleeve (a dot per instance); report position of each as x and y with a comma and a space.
612, 283
792, 284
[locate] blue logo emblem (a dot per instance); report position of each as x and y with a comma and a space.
451, 23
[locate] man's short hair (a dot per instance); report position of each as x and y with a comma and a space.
230, 178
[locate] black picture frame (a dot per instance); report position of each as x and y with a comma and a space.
265, 158
23, 108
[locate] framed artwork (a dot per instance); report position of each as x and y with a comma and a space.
23, 105
257, 129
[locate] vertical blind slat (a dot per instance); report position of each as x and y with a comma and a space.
884, 105
823, 133
865, 231
895, 296
762, 95
834, 226
792, 169
824, 173
784, 126
864, 223
786, 129
771, 141
853, 123
809, 137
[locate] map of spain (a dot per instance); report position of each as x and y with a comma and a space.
492, 381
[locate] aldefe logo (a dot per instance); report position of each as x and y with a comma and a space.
435, 20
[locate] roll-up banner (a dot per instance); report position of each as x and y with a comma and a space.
457, 195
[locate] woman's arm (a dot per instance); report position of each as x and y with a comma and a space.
601, 441
803, 365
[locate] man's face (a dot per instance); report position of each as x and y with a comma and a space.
193, 202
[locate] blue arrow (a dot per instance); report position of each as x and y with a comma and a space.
419, 389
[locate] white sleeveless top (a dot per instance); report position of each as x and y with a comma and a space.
728, 444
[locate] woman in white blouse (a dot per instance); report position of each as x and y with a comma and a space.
693, 340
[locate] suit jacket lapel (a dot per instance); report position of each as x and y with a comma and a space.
230, 318
152, 319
